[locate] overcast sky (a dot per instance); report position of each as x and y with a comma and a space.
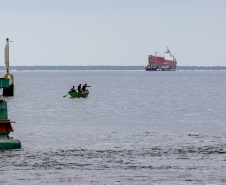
113, 32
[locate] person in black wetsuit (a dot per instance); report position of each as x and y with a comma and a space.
79, 88
84, 87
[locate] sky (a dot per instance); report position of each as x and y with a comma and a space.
112, 32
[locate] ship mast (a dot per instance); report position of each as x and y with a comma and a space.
167, 49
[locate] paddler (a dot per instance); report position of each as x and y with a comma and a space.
79, 88
84, 87
73, 89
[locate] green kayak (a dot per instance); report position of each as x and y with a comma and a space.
75, 94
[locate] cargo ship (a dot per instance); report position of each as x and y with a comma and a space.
165, 63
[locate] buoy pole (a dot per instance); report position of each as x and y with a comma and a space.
10, 90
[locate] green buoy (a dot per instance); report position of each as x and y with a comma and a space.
6, 142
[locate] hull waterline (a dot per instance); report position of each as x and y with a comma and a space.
78, 95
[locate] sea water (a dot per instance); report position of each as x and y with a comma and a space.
135, 127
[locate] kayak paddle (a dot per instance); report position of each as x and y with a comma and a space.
65, 95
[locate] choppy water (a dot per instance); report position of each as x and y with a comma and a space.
136, 127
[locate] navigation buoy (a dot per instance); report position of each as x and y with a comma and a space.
10, 90
6, 142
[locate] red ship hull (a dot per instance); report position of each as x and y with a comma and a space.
159, 61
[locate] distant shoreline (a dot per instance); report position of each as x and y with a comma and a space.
142, 68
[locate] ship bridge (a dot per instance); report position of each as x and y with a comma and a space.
167, 55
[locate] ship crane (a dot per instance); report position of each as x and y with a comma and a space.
174, 59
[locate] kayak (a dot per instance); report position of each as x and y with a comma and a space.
75, 94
